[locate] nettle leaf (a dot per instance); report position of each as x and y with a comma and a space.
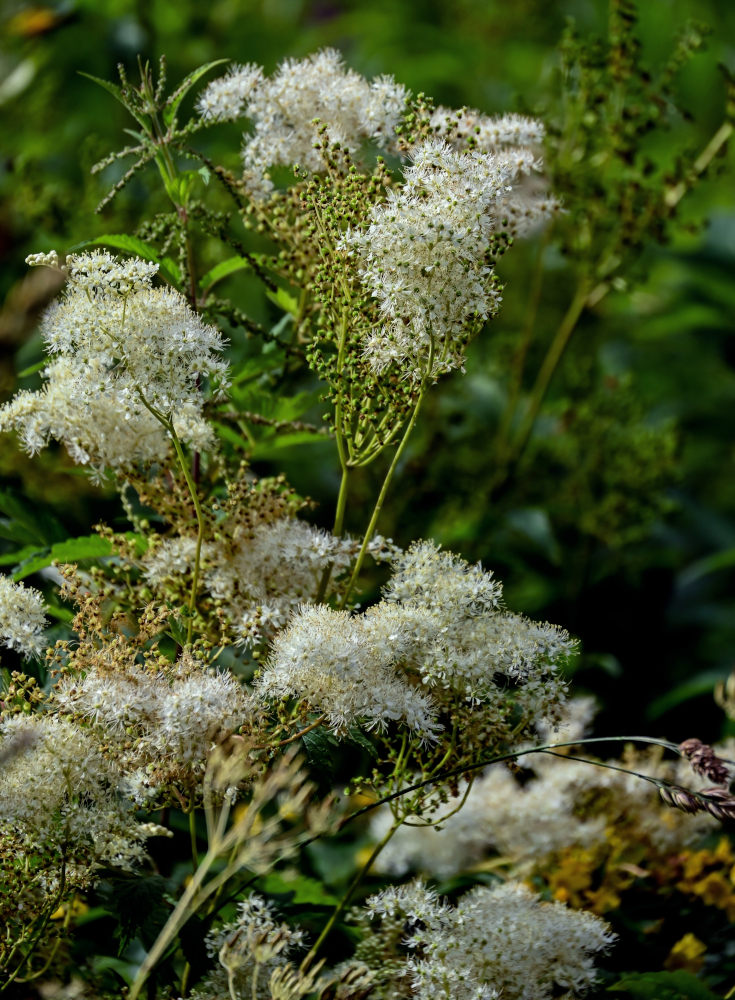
25, 524
132, 244
321, 749
117, 93
678, 985
138, 904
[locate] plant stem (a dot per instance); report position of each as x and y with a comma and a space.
348, 895
193, 838
538, 393
339, 520
200, 528
369, 532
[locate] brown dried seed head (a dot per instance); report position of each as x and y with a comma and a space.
705, 761
681, 798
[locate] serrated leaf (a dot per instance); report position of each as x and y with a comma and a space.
321, 750
138, 247
70, 550
177, 631
169, 111
357, 736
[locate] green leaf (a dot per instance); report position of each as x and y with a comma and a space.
174, 101
33, 368
71, 550
358, 737
133, 245
321, 750
117, 93
223, 270
17, 557
177, 631
301, 888
724, 559
25, 524
284, 300
678, 985
701, 684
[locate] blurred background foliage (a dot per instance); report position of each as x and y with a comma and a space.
618, 522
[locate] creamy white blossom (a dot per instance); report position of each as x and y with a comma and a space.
496, 942
226, 98
22, 618
465, 635
137, 343
263, 573
438, 638
346, 665
424, 254
118, 346
162, 723
283, 107
100, 432
61, 794
486, 132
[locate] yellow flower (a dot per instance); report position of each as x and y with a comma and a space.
687, 954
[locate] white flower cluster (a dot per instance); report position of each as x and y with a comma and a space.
262, 574
439, 638
22, 618
97, 433
226, 98
283, 108
60, 794
348, 668
425, 254
496, 942
120, 345
485, 132
464, 635
160, 723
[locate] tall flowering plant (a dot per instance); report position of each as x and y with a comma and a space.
221, 669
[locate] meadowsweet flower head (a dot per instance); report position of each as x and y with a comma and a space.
502, 941
425, 255
129, 340
22, 618
163, 723
119, 347
284, 106
469, 127
261, 571
62, 795
346, 666
226, 98
466, 637
102, 432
